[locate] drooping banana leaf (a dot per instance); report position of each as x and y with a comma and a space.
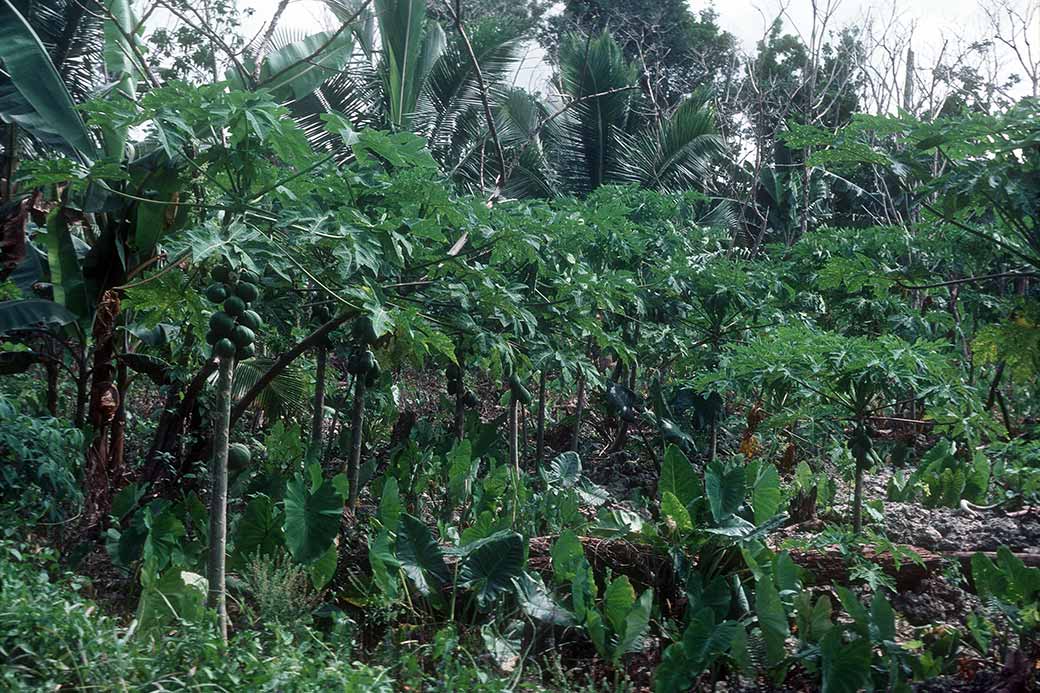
31, 312
32, 94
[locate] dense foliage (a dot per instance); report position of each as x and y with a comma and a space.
355, 367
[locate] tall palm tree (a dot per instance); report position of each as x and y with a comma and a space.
609, 135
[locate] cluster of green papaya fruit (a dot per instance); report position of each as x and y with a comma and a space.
362, 361
232, 330
455, 381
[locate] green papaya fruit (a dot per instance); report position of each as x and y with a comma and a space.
216, 293
238, 456
250, 319
247, 291
363, 330
221, 324
224, 348
234, 306
242, 336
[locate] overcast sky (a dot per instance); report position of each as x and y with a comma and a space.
933, 20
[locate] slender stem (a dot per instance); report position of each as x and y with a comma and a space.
357, 420
578, 411
319, 396
540, 434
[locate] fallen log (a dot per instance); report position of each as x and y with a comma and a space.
648, 565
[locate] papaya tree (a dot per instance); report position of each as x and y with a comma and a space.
851, 385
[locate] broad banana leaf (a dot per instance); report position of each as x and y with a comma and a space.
32, 94
120, 68
289, 76
410, 49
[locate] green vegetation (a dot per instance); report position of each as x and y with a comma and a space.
343, 363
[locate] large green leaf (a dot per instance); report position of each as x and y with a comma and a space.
772, 619
724, 487
618, 598
636, 624
845, 667
765, 497
422, 560
119, 25
390, 506
491, 564
538, 603
564, 471
566, 554
311, 518
703, 641
259, 531
66, 273
33, 95
178, 594
678, 477
288, 72
411, 46
31, 312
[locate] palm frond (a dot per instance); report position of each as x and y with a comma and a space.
287, 395
676, 154
591, 131
451, 89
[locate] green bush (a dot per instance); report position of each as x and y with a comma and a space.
41, 459
52, 638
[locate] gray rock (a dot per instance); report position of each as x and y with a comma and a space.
928, 538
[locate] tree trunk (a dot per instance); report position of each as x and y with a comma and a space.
857, 500
540, 432
119, 424
218, 497
357, 420
178, 405
51, 367
319, 397
459, 420
104, 403
579, 409
82, 381
514, 434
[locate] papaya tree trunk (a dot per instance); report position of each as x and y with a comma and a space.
357, 420
857, 501
318, 423
514, 435
82, 383
218, 497
459, 421
539, 452
579, 410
